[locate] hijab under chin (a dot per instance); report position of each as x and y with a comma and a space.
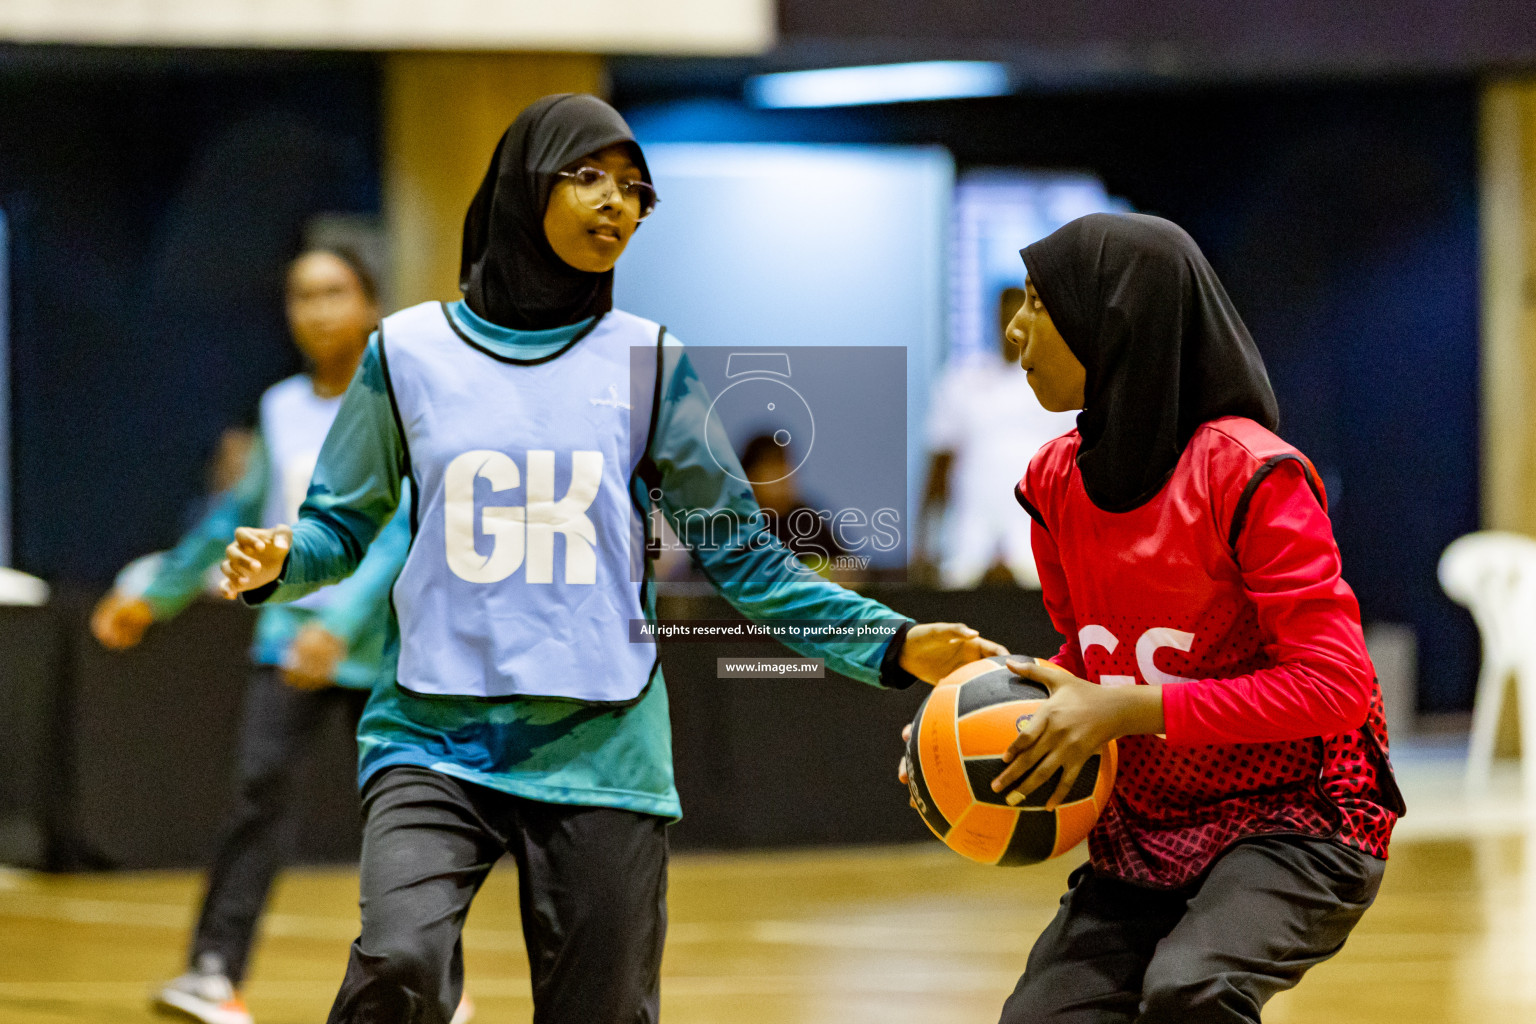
508, 273
1162, 344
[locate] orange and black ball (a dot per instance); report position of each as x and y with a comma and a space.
958, 739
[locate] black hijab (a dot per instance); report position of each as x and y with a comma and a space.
508, 273
1164, 349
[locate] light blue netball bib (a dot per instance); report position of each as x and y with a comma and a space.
294, 422
519, 581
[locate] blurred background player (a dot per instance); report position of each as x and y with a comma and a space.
307, 656
792, 519
983, 428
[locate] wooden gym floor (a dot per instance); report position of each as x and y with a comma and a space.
893, 935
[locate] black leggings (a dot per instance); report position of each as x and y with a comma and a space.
278, 723
1212, 952
592, 882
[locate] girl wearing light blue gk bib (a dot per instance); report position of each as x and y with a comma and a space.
525, 721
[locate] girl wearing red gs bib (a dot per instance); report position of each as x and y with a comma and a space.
1185, 552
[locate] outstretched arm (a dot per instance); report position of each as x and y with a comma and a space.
714, 512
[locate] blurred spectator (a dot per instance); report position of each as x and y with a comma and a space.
984, 425
798, 526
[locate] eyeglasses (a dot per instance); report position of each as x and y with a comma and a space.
594, 186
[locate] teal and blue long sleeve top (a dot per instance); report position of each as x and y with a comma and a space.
552, 750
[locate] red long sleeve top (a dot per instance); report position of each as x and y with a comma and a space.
1225, 588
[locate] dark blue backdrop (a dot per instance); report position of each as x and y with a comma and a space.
154, 199
1343, 220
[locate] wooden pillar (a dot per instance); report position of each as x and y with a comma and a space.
1508, 230
443, 113
1508, 197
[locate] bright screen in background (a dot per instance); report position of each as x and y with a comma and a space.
792, 245
996, 213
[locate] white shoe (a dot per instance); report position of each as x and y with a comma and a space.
204, 996
465, 1012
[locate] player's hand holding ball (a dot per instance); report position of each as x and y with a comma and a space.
1070, 727
935, 649
254, 559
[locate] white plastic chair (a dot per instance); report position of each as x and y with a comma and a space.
17, 588
1493, 574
